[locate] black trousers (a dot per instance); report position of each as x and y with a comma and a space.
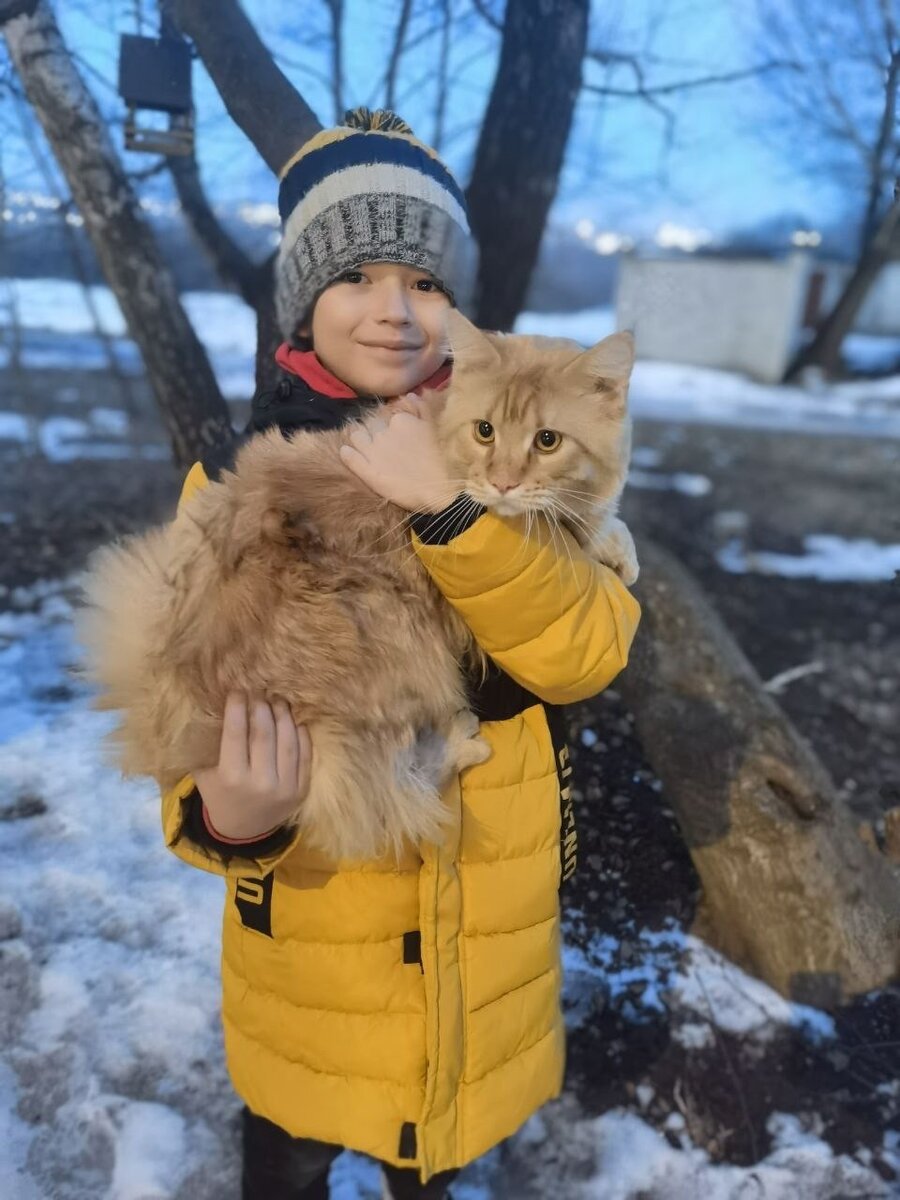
279, 1167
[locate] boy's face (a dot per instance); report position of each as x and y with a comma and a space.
380, 328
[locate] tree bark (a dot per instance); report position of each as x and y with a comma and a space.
522, 146
791, 889
195, 414
825, 349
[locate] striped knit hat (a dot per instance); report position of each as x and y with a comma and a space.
368, 191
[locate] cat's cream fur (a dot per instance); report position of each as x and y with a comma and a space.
290, 578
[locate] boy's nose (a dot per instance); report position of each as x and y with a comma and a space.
393, 304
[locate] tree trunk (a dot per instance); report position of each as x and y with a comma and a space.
254, 281
177, 366
825, 349
792, 891
522, 146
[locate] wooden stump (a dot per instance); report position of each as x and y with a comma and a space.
791, 889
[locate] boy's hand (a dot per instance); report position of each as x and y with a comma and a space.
262, 775
400, 459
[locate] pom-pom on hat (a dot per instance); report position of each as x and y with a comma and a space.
368, 191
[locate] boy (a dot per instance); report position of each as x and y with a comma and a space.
409, 1011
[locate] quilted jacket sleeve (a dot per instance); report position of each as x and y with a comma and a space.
555, 621
184, 829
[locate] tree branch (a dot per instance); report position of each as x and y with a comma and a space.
483, 11
645, 92
260, 99
390, 81
440, 107
336, 12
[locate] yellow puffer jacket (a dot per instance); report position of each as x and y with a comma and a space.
412, 1012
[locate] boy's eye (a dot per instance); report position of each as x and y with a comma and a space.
484, 432
428, 285
547, 440
350, 277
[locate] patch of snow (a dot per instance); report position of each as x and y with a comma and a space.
870, 352
646, 456
827, 557
140, 1170
14, 427
111, 421
64, 439
586, 326
693, 1035
122, 938
631, 1159
684, 978
680, 481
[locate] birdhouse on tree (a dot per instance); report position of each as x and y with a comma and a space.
155, 76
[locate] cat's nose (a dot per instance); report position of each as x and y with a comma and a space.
504, 485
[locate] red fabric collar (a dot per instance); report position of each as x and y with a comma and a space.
306, 364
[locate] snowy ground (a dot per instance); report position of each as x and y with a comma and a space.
108, 1008
109, 1038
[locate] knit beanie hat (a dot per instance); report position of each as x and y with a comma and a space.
368, 191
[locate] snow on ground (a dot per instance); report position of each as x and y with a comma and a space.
58, 330
109, 1038
825, 557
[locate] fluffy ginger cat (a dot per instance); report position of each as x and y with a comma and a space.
289, 577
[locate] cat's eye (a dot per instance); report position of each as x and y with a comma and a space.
484, 432
547, 440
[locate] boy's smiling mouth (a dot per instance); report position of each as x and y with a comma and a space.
396, 347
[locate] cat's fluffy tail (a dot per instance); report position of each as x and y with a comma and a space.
127, 598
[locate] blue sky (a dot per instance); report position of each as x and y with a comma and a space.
719, 172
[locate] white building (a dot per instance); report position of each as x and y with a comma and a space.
740, 314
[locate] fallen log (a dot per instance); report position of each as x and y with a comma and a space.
791, 891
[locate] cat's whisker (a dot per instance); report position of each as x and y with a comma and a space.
562, 533
558, 530
453, 492
570, 555
591, 494
573, 518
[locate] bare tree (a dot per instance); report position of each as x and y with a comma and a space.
522, 146
839, 114
177, 366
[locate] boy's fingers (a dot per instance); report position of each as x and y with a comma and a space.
304, 748
356, 462
286, 752
262, 745
233, 758
359, 437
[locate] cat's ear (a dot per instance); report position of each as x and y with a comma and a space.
470, 348
607, 366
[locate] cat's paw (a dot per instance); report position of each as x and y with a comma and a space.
615, 547
465, 746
